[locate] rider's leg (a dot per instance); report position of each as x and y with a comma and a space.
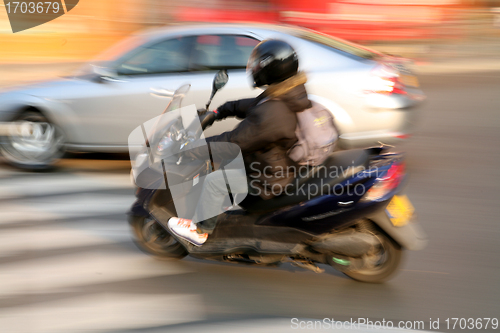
214, 193
209, 206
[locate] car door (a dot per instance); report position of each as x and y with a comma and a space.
109, 110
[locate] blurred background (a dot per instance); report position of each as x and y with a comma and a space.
418, 29
67, 262
93, 24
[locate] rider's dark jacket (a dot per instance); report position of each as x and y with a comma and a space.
267, 132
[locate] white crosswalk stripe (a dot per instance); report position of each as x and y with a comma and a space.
77, 270
13, 242
103, 312
73, 267
52, 184
56, 208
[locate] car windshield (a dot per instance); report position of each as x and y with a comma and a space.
335, 43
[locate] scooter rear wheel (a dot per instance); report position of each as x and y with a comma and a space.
151, 238
382, 265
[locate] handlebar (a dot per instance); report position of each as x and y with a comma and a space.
206, 120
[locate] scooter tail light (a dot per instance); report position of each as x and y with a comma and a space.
388, 182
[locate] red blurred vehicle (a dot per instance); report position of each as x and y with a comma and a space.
357, 20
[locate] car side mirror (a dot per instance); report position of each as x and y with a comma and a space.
220, 81
104, 74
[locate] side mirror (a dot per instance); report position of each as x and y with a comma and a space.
220, 81
104, 74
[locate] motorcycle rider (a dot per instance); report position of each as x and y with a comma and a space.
264, 136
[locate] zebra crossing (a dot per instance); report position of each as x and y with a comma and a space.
67, 261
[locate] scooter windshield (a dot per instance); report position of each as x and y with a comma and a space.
178, 96
162, 122
174, 155
164, 136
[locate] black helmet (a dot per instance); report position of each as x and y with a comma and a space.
272, 61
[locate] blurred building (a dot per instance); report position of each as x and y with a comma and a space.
95, 24
359, 20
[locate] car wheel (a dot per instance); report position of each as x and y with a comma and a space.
34, 142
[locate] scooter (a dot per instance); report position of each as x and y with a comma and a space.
359, 225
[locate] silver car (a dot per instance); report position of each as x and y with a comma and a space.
371, 95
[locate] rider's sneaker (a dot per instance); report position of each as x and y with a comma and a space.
186, 229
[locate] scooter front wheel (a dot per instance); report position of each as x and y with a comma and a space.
380, 266
151, 238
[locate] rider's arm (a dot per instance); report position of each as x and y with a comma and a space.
260, 129
237, 108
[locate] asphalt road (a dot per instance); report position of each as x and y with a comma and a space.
67, 262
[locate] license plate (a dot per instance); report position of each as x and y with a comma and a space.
409, 80
400, 210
